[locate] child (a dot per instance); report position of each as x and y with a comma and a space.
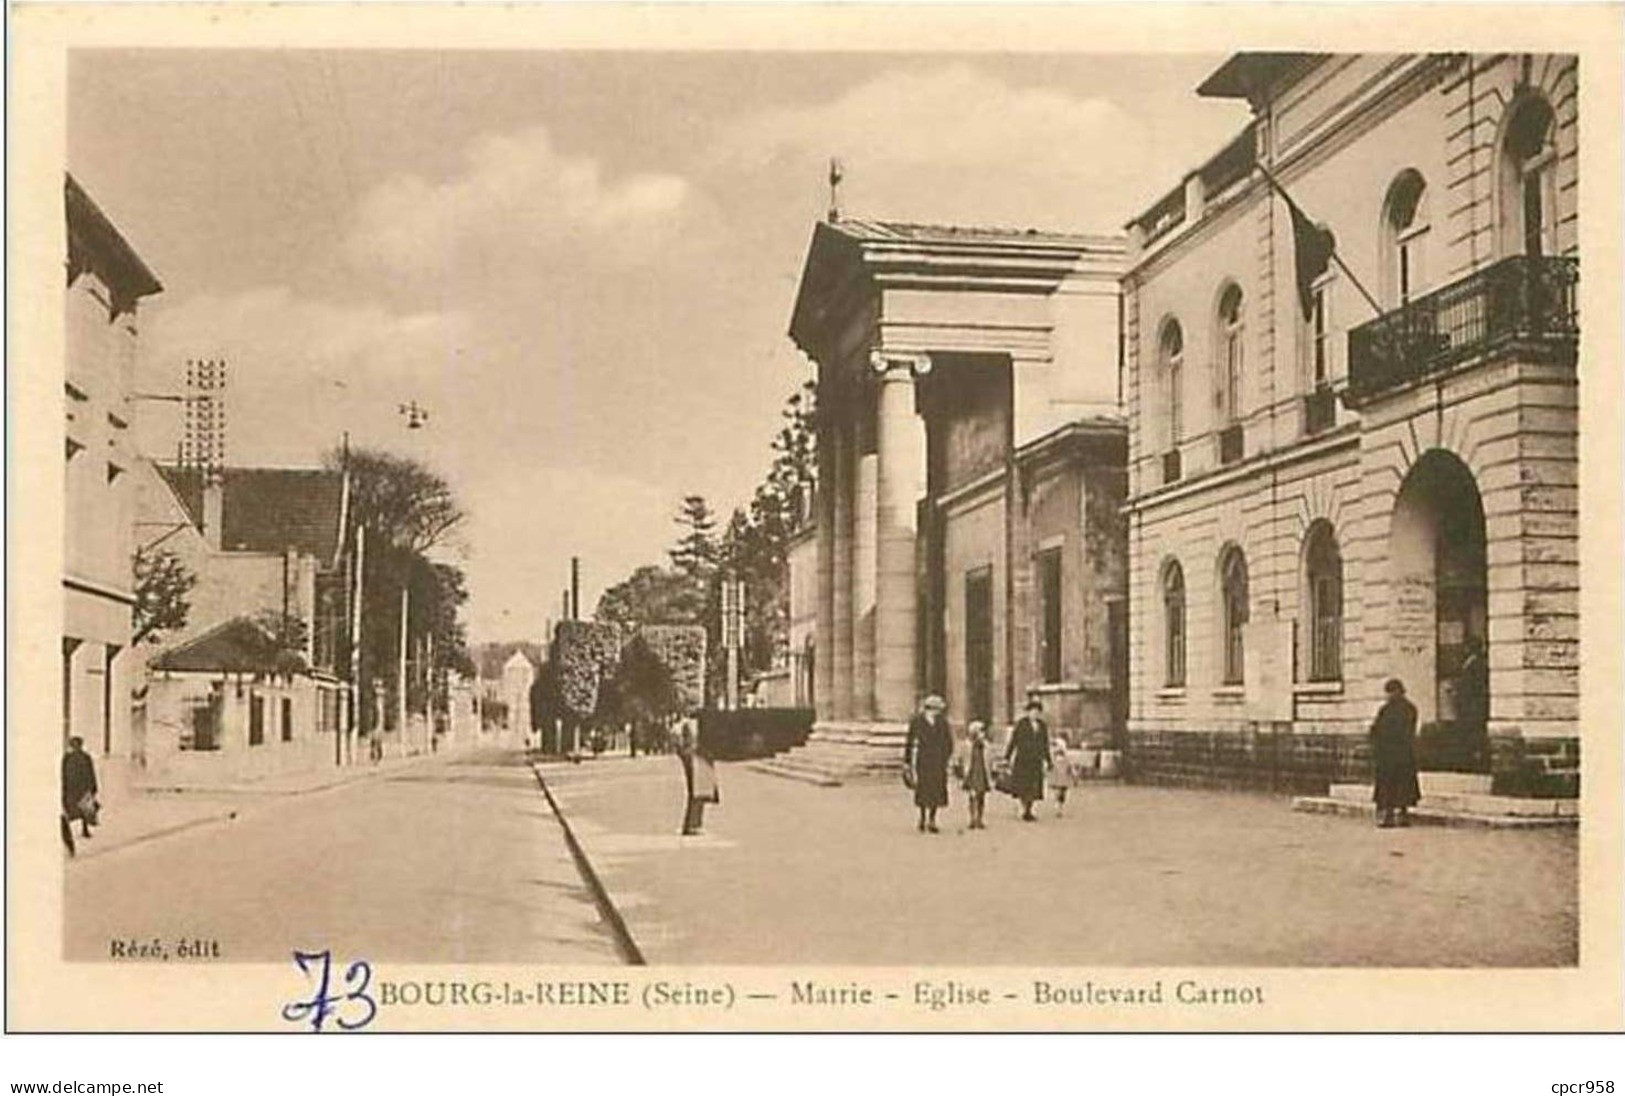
1061, 774
973, 772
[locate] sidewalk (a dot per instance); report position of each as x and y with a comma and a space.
790, 873
133, 815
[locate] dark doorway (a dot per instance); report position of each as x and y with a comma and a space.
979, 644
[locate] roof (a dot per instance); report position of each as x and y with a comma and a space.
851, 252
94, 244
1249, 75
270, 509
235, 646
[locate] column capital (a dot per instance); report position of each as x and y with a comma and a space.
883, 362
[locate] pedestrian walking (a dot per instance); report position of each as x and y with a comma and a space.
78, 792
1028, 755
974, 774
699, 778
1393, 757
926, 753
1062, 776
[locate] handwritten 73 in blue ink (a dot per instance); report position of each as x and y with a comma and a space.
352, 1009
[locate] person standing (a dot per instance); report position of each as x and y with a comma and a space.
1393, 757
1062, 778
974, 775
926, 752
699, 778
78, 791
1028, 755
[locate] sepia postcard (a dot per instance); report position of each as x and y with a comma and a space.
813, 518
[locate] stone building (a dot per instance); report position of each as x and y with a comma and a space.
1324, 494
106, 280
970, 457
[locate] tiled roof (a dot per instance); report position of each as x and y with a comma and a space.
270, 509
235, 646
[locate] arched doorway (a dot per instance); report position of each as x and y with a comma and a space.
1440, 609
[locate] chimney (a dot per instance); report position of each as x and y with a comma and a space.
214, 507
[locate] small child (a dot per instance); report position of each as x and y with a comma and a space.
1062, 776
973, 772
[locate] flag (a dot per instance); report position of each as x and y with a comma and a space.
1312, 247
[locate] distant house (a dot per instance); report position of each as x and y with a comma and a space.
258, 680
518, 674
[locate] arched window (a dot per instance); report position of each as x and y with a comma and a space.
1405, 229
1231, 354
1233, 604
1171, 351
1173, 616
1323, 567
1528, 187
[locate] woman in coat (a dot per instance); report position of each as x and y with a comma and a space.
926, 752
1028, 755
1393, 756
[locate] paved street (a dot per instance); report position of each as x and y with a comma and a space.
789, 873
453, 860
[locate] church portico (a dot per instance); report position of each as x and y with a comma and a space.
919, 334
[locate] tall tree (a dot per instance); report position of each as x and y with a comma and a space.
398, 499
652, 595
696, 552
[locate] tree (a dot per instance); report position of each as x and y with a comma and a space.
162, 582
652, 595
642, 690
400, 501
696, 553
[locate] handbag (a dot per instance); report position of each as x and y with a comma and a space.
1004, 779
908, 776
88, 808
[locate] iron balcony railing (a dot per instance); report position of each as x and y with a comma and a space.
1526, 298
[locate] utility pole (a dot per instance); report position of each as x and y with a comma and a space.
356, 603
400, 670
575, 587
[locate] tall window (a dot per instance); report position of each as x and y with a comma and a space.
1528, 179
1173, 616
979, 643
1049, 598
256, 720
1233, 594
1172, 352
1318, 338
1323, 564
1405, 228
287, 719
1231, 355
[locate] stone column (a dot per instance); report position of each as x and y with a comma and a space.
863, 570
824, 634
900, 452
841, 645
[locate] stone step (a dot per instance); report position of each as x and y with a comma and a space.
1426, 814
1466, 802
837, 753
1455, 783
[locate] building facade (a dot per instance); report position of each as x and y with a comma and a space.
968, 535
106, 280
1327, 491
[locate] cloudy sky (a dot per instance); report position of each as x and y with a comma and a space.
581, 263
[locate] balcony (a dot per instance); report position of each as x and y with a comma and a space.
1231, 444
1319, 411
1170, 467
1528, 300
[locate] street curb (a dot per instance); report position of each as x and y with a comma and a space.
624, 942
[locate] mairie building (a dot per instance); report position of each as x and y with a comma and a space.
968, 535
1327, 491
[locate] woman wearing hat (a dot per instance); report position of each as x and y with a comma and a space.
1028, 755
926, 752
1393, 757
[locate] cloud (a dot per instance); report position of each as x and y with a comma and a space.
956, 144
516, 193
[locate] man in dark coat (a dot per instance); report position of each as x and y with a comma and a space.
1028, 756
78, 791
1393, 756
926, 752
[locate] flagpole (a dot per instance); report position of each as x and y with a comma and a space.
1335, 257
